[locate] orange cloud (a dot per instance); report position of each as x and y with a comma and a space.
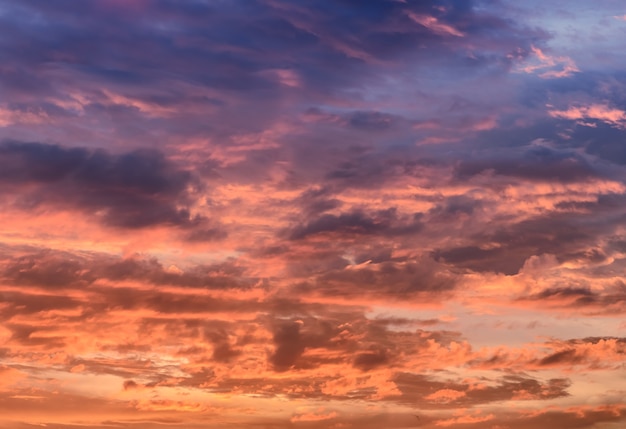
445, 395
468, 418
315, 416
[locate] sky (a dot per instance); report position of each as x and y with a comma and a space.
285, 214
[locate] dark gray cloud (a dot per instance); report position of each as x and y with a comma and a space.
352, 223
371, 359
217, 46
130, 190
53, 270
608, 301
560, 358
561, 234
386, 280
419, 387
289, 346
384, 222
534, 163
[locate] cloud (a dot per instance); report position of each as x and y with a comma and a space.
357, 223
53, 270
547, 66
131, 190
445, 395
435, 26
317, 416
534, 163
469, 419
581, 298
386, 280
594, 112
371, 359
289, 346
559, 357
457, 394
272, 213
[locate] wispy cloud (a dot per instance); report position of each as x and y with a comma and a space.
433, 24
548, 66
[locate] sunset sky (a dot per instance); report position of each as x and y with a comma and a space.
329, 214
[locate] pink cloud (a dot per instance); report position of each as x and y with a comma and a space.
433, 24
599, 112
547, 66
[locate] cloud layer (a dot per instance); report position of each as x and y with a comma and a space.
349, 214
